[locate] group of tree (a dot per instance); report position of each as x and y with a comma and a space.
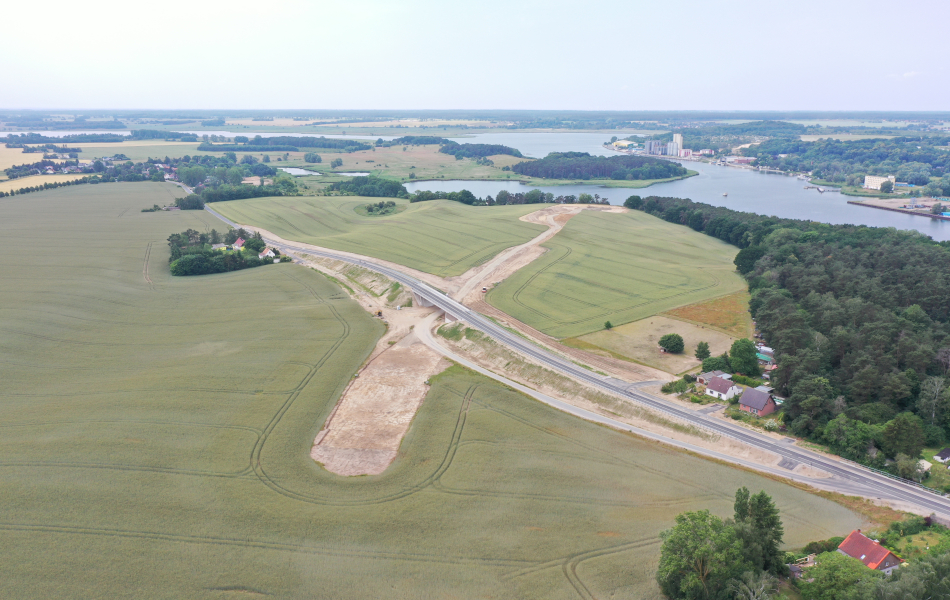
741, 358
192, 253
312, 157
460, 151
581, 165
381, 208
859, 318
370, 185
155, 134
725, 136
704, 557
912, 159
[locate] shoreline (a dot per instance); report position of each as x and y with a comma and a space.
906, 211
563, 182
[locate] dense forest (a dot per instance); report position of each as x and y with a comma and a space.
460, 151
14, 140
372, 186
581, 165
860, 321
912, 159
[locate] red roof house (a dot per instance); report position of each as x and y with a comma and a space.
872, 554
757, 402
239, 243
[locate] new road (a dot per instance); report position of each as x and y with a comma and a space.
851, 478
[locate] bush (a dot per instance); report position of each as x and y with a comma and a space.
675, 387
672, 343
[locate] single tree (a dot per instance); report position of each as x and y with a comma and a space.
754, 586
702, 350
672, 343
266, 158
742, 357
835, 576
904, 434
336, 162
887, 187
759, 526
608, 325
932, 400
699, 557
312, 157
215, 237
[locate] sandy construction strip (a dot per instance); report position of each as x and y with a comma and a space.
362, 436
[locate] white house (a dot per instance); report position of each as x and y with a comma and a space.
267, 253
721, 388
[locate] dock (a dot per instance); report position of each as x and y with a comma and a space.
906, 211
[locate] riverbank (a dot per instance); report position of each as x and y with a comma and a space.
535, 182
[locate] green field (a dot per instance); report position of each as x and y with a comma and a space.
156, 434
440, 237
618, 268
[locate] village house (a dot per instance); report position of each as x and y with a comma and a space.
267, 253
943, 456
238, 243
723, 389
871, 553
704, 378
757, 402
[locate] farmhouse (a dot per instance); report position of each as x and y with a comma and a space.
756, 401
872, 554
267, 253
943, 456
721, 388
704, 378
238, 243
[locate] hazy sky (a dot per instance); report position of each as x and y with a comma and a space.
516, 54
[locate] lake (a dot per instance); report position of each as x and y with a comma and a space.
297, 172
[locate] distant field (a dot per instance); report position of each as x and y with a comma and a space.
23, 182
15, 156
618, 268
138, 150
440, 237
156, 431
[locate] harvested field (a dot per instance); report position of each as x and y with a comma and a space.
23, 182
15, 156
156, 438
618, 268
639, 341
439, 237
728, 313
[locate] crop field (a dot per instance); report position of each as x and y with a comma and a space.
619, 268
156, 432
15, 156
137, 150
440, 237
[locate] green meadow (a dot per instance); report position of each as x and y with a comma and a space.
156, 433
440, 237
618, 268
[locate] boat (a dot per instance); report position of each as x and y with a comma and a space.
725, 194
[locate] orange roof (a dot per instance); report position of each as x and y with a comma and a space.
871, 553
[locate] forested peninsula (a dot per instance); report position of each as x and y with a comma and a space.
859, 318
581, 165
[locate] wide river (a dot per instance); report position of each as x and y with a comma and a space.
746, 190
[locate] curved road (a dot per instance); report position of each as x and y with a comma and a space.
852, 478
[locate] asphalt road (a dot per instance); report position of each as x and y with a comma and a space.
851, 478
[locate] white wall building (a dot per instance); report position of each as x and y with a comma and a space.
873, 182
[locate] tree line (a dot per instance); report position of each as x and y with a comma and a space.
372, 186
505, 197
859, 318
581, 165
283, 143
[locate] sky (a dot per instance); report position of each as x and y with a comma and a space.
485, 54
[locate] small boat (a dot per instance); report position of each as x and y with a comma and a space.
725, 194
